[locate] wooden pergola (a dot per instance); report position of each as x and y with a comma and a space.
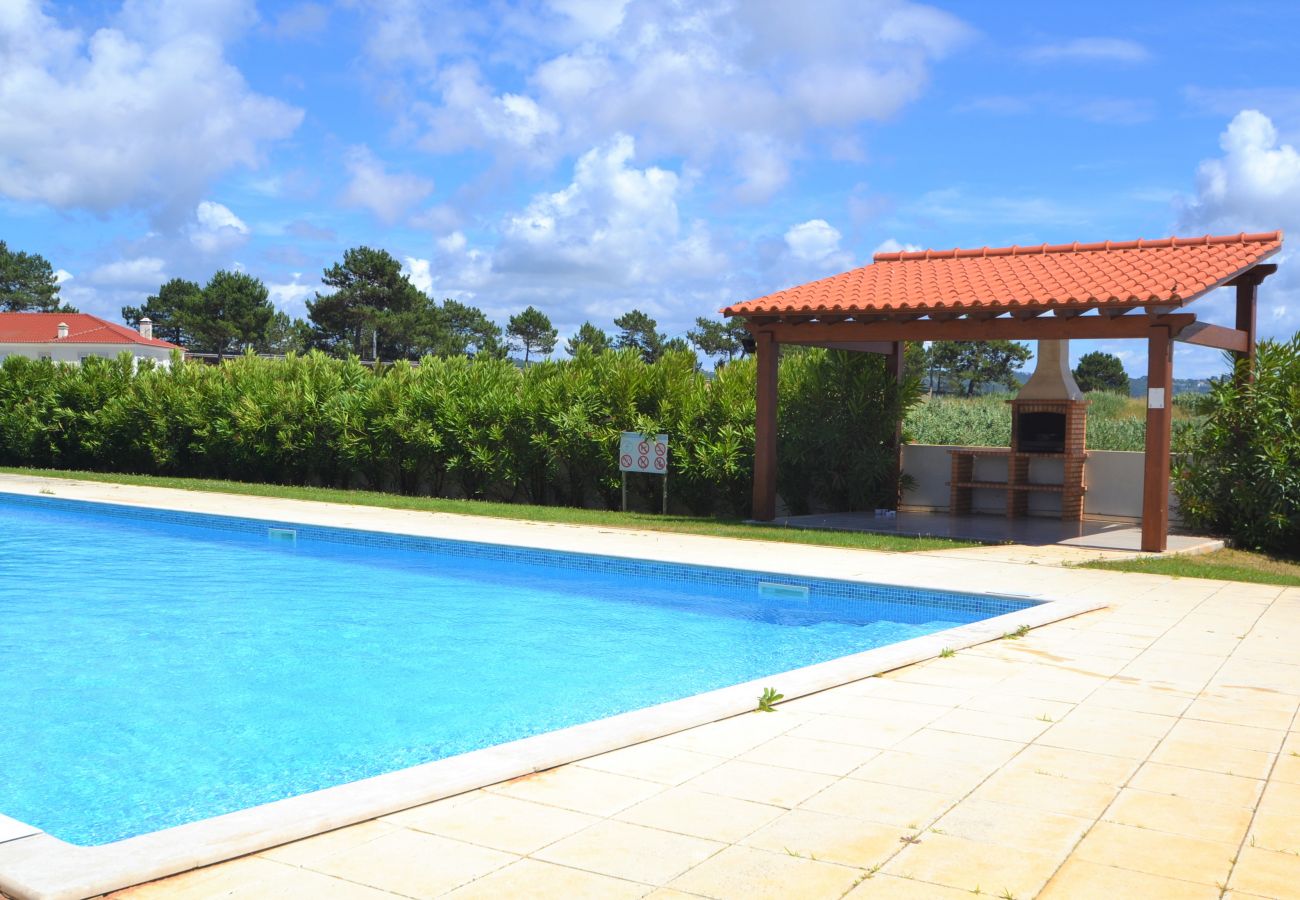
1103, 291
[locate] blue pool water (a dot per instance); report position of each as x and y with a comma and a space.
157, 668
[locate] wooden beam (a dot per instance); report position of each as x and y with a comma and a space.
895, 367
1155, 472
1206, 335
768, 351
885, 347
1254, 275
1044, 328
1247, 303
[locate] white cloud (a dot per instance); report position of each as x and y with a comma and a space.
418, 271
62, 276
813, 240
388, 196
1254, 186
1093, 49
711, 82
292, 296
892, 245
141, 272
216, 228
142, 116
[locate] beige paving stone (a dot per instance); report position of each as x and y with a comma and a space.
1112, 732
967, 865
412, 863
1235, 712
954, 777
1013, 826
749, 874
1243, 737
1080, 879
1214, 758
500, 822
900, 714
632, 852
1279, 797
1266, 873
240, 876
710, 816
1140, 698
1287, 768
823, 757
579, 789
884, 803
987, 724
892, 887
1077, 765
653, 761
531, 879
1050, 793
948, 745
1157, 853
1062, 686
1025, 707
910, 692
851, 730
1180, 815
305, 852
829, 838
1276, 831
761, 784
1214, 787
734, 736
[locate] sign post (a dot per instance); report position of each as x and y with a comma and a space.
645, 454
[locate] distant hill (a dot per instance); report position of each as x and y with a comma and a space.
1137, 387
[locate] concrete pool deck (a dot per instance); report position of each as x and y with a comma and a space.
1149, 749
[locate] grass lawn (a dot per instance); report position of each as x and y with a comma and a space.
1226, 565
732, 528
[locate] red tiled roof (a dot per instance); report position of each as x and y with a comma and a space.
43, 328
1072, 276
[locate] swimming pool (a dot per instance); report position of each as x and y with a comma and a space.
171, 667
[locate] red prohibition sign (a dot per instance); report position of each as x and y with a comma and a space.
627, 461
643, 448
643, 462
661, 449
659, 463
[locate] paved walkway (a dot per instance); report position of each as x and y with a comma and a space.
1148, 750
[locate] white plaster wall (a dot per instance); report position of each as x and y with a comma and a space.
1114, 479
73, 353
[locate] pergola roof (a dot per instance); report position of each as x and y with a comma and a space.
1073, 278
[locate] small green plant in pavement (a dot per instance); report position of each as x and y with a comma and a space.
768, 698
947, 652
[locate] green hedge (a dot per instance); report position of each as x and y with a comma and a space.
479, 428
1242, 475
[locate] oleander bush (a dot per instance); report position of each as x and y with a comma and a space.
1241, 477
460, 427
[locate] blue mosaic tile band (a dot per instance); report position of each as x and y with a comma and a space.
821, 590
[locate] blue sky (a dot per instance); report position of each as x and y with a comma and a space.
591, 156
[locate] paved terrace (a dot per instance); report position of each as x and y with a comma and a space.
1147, 750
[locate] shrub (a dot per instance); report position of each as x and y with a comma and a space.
463, 427
1242, 475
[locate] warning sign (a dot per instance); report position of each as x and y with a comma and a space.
643, 453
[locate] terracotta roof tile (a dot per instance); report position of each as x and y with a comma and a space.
1112, 273
43, 328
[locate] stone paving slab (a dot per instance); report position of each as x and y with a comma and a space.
1147, 750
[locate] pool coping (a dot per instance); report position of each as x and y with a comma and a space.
37, 866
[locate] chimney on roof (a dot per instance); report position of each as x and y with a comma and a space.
63, 330
146, 327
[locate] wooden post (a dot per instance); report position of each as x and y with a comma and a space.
1155, 477
767, 351
894, 363
1247, 293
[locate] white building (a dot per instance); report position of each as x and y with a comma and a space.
72, 337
